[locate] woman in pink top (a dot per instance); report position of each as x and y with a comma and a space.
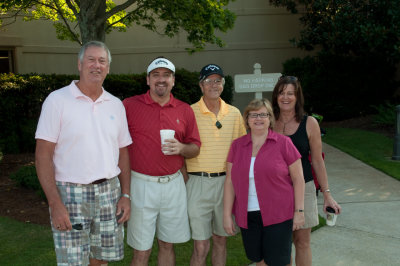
264, 188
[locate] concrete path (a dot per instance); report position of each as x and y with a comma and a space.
368, 230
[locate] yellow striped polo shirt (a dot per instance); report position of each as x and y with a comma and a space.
215, 143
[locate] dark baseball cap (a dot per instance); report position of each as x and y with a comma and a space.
209, 70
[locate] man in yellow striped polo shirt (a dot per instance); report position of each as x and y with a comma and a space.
219, 124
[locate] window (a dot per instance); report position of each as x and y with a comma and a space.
6, 61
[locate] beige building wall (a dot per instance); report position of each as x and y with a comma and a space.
261, 35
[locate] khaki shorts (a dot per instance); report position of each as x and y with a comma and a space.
205, 206
157, 207
310, 206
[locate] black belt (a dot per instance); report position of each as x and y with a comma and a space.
209, 175
99, 181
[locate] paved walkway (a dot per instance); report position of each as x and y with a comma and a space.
368, 230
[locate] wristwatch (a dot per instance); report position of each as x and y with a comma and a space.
299, 210
126, 196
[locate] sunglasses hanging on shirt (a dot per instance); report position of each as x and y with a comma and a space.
218, 124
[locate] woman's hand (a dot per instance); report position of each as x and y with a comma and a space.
229, 225
330, 202
298, 220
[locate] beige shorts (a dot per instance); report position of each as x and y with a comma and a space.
310, 206
205, 206
157, 207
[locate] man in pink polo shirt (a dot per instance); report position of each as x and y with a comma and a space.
83, 165
157, 186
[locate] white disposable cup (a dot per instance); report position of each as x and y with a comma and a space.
331, 219
166, 134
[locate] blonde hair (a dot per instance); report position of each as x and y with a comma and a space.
257, 104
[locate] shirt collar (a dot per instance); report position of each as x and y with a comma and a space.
77, 93
272, 136
148, 100
223, 107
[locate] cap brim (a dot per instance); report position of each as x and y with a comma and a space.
160, 63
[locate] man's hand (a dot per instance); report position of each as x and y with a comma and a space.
172, 147
124, 206
60, 217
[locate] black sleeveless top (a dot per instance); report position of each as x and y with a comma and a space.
300, 140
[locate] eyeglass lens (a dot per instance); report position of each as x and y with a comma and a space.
211, 81
261, 115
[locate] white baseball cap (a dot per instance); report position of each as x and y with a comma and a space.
160, 62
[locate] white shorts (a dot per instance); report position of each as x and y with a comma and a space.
157, 207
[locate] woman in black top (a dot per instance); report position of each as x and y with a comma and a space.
287, 103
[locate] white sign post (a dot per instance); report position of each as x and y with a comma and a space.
256, 82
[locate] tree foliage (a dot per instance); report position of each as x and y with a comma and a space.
84, 20
348, 27
358, 44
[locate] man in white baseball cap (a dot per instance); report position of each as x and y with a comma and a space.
158, 188
160, 62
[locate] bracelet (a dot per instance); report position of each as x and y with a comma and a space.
126, 196
326, 190
299, 210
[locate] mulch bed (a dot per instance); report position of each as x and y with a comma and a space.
19, 203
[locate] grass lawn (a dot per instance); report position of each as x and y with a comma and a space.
25, 244
31, 244
372, 148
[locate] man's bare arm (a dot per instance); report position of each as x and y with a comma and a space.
46, 174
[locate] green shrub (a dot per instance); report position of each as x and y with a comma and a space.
26, 177
22, 96
386, 114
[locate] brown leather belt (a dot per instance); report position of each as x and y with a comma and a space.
209, 175
99, 181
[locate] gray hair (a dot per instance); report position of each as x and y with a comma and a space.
95, 44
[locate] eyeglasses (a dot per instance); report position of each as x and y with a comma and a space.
261, 115
213, 81
218, 125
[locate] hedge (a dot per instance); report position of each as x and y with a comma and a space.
21, 98
342, 87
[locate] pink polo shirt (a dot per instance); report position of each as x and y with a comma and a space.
271, 176
88, 135
145, 119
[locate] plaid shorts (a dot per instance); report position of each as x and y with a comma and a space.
101, 237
